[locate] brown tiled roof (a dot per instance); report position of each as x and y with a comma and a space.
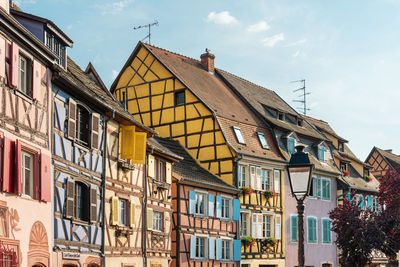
227, 106
392, 158
188, 168
86, 86
323, 126
153, 143
357, 181
259, 97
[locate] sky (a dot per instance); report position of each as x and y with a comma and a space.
347, 51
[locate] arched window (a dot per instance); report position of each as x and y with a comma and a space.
82, 201
82, 125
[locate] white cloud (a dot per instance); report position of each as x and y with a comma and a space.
113, 8
272, 40
258, 27
296, 53
298, 42
114, 74
222, 18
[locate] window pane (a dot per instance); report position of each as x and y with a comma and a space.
239, 135
82, 130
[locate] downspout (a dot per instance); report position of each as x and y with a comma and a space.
103, 193
178, 229
144, 238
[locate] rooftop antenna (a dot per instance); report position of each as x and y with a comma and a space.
303, 95
155, 23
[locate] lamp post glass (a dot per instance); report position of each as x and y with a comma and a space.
300, 181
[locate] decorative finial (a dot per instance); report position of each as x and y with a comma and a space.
207, 50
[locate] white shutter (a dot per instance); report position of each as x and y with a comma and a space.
252, 176
259, 225
254, 225
258, 178
278, 224
277, 181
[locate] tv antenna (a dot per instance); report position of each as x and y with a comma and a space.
303, 95
155, 23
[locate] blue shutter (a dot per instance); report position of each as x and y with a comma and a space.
362, 202
192, 247
312, 229
219, 206
236, 209
321, 153
329, 190
369, 202
237, 250
318, 189
218, 250
211, 248
210, 205
291, 148
294, 224
349, 197
192, 202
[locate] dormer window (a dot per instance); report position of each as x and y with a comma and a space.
239, 136
343, 166
263, 140
366, 172
291, 143
281, 116
341, 146
321, 153
300, 122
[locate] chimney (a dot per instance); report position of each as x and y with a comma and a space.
207, 60
389, 150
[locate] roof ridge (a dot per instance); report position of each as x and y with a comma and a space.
166, 50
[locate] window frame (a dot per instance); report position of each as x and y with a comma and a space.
85, 199
161, 172
269, 179
158, 221
28, 75
289, 148
176, 97
324, 179
321, 153
205, 238
225, 199
31, 178
263, 140
36, 169
265, 225
245, 214
205, 205
125, 214
229, 242
78, 123
242, 175
239, 135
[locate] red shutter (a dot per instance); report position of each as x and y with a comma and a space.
8, 165
45, 177
14, 65
2, 58
18, 185
36, 81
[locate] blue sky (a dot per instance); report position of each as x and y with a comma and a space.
348, 51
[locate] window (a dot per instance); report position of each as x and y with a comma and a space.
226, 207
281, 116
294, 234
81, 201
312, 230
123, 212
244, 224
25, 75
123, 100
299, 122
326, 231
321, 153
179, 98
263, 140
267, 229
226, 249
326, 188
291, 145
82, 129
200, 204
320, 188
375, 204
239, 136
27, 173
160, 170
266, 182
343, 166
341, 146
157, 221
242, 176
200, 247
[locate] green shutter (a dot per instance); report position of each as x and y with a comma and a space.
312, 229
326, 231
319, 193
294, 231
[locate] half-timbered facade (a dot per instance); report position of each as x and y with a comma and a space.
382, 161
206, 215
25, 157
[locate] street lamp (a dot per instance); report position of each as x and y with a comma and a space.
300, 171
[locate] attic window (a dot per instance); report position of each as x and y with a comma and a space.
281, 116
291, 143
300, 122
239, 136
341, 146
321, 153
343, 166
179, 98
263, 140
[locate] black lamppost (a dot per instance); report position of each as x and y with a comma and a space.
300, 171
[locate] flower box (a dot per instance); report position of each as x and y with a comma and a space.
270, 194
247, 190
346, 173
249, 241
272, 242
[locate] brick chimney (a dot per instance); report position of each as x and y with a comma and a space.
207, 60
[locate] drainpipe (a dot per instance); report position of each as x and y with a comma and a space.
103, 193
144, 238
178, 229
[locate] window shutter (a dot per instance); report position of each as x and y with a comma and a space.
14, 65
71, 118
277, 181
18, 167
211, 248
258, 178
93, 203
259, 225
237, 250
312, 229
362, 206
95, 131
140, 148
318, 180
278, 223
2, 58
294, 228
192, 247
69, 203
236, 210
349, 197
127, 142
192, 202
168, 174
369, 202
114, 210
218, 250
328, 189
45, 177
239, 176
210, 205
36, 81
218, 199
254, 225
252, 176
132, 214
150, 166
8, 165
325, 231
149, 219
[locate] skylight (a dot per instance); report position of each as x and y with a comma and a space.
263, 140
239, 135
